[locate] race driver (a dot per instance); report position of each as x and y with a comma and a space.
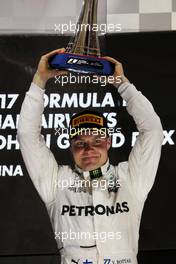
115, 210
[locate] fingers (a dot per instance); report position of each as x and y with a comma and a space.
48, 55
58, 72
118, 66
111, 60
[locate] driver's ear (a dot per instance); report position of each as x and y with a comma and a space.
71, 148
109, 143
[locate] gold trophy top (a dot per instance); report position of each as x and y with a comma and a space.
85, 40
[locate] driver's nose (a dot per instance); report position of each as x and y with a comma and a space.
87, 146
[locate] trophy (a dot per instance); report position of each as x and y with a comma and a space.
83, 51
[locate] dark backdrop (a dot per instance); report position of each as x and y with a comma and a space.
149, 63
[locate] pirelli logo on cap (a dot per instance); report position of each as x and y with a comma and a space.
87, 118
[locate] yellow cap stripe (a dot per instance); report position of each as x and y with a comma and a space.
87, 118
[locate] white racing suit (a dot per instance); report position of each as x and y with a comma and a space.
94, 225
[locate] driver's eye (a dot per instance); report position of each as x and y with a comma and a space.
98, 140
79, 143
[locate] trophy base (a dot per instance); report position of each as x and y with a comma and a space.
82, 64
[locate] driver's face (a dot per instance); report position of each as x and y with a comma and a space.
90, 151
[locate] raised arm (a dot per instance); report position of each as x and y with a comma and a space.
39, 160
145, 155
